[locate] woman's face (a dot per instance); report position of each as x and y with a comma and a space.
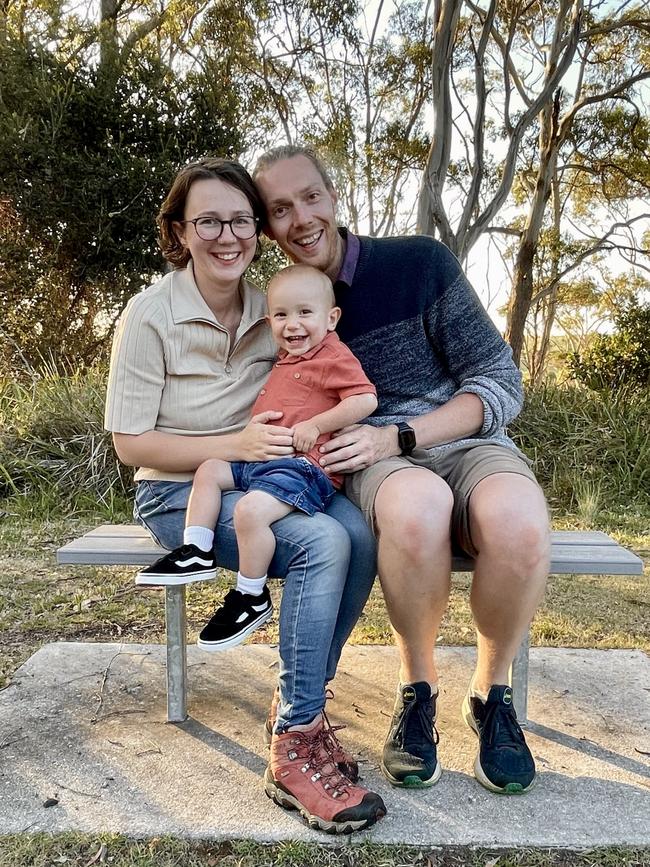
217, 264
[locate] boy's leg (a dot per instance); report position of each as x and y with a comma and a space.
249, 605
254, 514
204, 505
194, 559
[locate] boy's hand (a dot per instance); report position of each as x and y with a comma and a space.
305, 434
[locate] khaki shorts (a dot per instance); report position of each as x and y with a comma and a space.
462, 467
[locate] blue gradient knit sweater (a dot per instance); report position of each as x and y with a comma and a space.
422, 335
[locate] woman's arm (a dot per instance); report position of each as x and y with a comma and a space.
174, 453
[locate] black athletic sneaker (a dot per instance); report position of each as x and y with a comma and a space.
504, 763
239, 615
410, 755
181, 566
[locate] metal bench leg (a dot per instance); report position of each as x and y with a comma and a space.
519, 680
176, 654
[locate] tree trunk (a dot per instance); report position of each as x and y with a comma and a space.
432, 218
522, 283
548, 305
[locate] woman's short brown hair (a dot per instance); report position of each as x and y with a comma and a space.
173, 208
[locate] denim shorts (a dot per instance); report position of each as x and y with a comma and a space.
294, 481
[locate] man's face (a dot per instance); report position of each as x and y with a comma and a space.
302, 214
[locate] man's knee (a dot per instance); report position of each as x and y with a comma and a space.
413, 511
509, 518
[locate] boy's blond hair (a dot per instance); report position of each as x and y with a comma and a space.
305, 271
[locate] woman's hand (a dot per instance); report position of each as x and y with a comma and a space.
260, 441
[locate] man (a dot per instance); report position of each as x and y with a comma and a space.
434, 466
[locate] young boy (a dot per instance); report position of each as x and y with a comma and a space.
320, 387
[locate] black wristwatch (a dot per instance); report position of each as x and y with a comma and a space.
405, 437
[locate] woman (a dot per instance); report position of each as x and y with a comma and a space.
189, 357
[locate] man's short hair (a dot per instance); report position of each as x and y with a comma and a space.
285, 152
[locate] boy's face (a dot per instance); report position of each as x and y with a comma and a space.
300, 312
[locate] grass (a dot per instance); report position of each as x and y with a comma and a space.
79, 850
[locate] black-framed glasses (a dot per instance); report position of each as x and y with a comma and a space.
211, 228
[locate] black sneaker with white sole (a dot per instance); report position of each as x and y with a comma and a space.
504, 763
181, 566
239, 615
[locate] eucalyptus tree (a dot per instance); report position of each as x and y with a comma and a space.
352, 81
510, 83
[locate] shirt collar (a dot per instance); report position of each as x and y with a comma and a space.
330, 338
350, 258
188, 305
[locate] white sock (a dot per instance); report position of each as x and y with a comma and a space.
199, 536
252, 586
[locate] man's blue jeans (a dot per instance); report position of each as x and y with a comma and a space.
328, 562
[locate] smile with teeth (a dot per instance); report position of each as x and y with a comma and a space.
226, 257
309, 240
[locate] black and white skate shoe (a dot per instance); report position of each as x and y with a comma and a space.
239, 615
181, 566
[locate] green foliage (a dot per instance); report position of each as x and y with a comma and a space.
85, 163
54, 453
620, 360
587, 448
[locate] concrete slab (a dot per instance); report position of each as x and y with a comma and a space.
85, 724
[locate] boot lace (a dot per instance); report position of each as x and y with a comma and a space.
315, 749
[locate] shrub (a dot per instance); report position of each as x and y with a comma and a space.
53, 448
618, 360
585, 442
55, 455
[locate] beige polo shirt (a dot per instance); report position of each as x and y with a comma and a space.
173, 368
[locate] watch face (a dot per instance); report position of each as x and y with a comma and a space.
406, 438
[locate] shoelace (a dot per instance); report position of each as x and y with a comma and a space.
319, 759
424, 718
501, 727
331, 741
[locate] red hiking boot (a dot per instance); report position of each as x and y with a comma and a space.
343, 759
302, 776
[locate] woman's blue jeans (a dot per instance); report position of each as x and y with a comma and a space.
328, 562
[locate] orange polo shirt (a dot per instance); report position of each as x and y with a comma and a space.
302, 386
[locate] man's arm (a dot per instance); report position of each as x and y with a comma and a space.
474, 355
349, 411
360, 446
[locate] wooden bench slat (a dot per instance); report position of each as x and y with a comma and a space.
579, 553
573, 537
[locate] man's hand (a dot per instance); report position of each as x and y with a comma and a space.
357, 447
305, 434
